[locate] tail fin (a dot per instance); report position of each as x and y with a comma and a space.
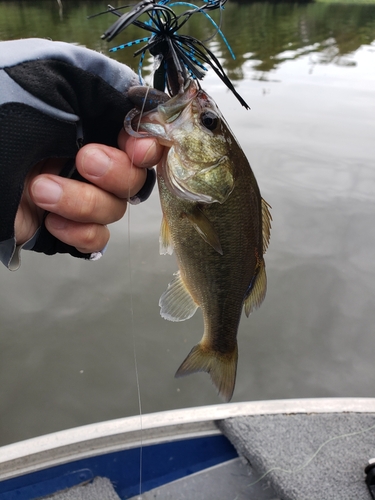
222, 368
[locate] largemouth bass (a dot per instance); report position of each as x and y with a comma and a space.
215, 220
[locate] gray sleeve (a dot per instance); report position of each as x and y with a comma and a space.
54, 97
10, 252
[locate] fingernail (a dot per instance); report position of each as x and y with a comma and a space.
149, 159
96, 163
46, 191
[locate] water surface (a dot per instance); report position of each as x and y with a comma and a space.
69, 329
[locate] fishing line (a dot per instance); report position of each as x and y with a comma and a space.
314, 455
134, 342
132, 319
135, 351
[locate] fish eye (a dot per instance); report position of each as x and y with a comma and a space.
209, 120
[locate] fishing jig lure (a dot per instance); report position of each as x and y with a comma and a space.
178, 57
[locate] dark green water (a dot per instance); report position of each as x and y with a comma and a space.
68, 328
257, 31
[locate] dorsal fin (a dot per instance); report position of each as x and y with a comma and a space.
266, 224
258, 288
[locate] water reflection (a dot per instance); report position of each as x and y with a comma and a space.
263, 33
269, 33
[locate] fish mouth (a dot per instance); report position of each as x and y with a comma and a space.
152, 123
173, 108
135, 124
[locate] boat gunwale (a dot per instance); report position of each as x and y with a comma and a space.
129, 432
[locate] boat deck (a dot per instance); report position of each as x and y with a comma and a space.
318, 456
289, 450
233, 477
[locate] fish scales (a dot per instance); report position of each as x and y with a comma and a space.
223, 279
218, 225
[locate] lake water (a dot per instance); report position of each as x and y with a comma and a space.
70, 330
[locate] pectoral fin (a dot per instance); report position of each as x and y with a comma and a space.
257, 289
176, 303
165, 240
204, 228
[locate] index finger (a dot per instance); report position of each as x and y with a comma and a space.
145, 152
118, 170
110, 169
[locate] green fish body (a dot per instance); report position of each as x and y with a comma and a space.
218, 225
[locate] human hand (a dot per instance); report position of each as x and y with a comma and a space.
56, 98
78, 213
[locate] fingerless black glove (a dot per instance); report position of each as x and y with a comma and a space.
54, 98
